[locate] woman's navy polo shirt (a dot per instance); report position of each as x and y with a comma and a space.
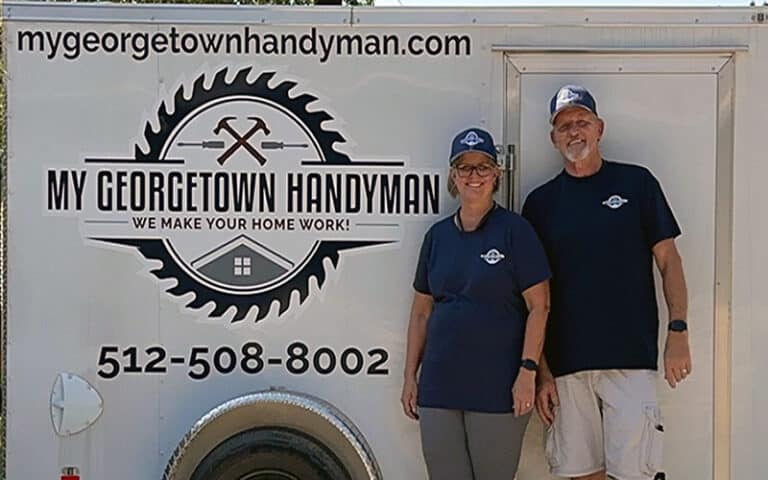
476, 330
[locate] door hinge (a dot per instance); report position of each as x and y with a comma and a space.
508, 163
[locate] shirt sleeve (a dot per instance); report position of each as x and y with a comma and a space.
658, 220
421, 279
531, 265
528, 211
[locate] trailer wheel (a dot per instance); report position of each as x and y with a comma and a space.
273, 435
270, 454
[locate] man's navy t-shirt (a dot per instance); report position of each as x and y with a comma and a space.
476, 330
599, 232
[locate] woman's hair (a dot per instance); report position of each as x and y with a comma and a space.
452, 185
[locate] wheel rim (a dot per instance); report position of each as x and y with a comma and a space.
269, 475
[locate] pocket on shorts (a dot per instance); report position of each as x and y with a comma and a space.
652, 448
551, 450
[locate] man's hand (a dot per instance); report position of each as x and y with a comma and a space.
408, 398
546, 398
677, 358
524, 392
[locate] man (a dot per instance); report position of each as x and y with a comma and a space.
603, 224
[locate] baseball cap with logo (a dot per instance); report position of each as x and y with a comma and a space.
571, 96
472, 140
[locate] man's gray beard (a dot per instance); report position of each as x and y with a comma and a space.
576, 157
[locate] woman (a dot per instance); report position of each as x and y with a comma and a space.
477, 325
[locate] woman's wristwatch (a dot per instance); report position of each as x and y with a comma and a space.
678, 326
529, 364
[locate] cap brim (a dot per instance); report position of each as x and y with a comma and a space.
458, 155
566, 107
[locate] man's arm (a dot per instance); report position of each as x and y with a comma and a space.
677, 353
546, 393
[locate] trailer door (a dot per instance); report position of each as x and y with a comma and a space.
671, 112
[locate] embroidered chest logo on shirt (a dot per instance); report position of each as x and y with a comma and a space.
615, 201
492, 256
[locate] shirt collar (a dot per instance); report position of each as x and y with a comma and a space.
481, 223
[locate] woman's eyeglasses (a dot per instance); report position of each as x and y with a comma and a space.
482, 170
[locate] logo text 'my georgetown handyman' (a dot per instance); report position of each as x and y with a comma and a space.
239, 193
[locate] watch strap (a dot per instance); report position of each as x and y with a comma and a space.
529, 364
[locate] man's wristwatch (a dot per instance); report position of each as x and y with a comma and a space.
678, 326
529, 364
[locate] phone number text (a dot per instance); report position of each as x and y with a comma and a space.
202, 361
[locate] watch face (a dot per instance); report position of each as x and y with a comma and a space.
678, 326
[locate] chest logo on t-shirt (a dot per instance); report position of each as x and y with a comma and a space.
492, 256
615, 201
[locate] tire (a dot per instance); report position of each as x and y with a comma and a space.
270, 454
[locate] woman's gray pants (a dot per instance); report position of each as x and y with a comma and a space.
461, 445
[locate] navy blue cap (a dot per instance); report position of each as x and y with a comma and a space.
571, 96
473, 140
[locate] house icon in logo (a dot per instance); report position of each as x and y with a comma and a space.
243, 262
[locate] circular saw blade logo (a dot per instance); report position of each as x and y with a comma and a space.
237, 237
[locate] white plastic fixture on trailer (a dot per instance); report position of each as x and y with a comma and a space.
214, 215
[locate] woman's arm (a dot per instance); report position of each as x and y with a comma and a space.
524, 389
417, 336
537, 301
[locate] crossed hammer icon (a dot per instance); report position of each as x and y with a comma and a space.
241, 141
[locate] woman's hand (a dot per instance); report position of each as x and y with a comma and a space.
524, 392
408, 398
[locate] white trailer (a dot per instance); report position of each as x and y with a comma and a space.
214, 214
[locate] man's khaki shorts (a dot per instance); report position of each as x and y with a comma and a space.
607, 420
